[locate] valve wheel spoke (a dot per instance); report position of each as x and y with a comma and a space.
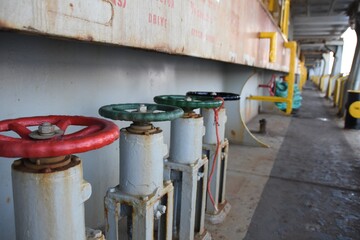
20, 129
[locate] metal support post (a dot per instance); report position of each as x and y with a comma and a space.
147, 217
216, 213
186, 168
353, 82
189, 198
336, 69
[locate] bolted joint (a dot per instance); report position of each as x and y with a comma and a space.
200, 175
160, 210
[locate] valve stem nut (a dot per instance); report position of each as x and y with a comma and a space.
142, 108
46, 128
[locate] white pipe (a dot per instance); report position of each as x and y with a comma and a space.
49, 205
209, 122
141, 162
186, 140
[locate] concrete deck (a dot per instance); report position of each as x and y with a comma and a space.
306, 186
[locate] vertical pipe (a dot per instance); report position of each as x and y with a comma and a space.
290, 78
271, 5
186, 139
336, 69
353, 82
285, 22
49, 205
209, 123
141, 154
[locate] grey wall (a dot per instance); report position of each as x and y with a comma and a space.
41, 76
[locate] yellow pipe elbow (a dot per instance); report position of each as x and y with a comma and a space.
273, 40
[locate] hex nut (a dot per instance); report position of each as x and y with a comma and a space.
46, 129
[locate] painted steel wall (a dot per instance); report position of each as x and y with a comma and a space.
212, 29
41, 76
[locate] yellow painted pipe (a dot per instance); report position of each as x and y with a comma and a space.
273, 40
290, 78
268, 98
271, 5
285, 19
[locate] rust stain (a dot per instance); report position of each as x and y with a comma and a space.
6, 25
233, 133
84, 38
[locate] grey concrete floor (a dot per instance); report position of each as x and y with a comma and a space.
305, 186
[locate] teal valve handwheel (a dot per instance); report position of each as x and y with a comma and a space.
188, 103
141, 112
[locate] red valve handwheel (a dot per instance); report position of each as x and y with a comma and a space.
96, 134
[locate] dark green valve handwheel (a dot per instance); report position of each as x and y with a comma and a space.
188, 103
141, 112
224, 95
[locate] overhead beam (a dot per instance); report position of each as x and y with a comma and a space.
321, 20
317, 33
319, 27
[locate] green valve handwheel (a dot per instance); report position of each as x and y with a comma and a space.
141, 112
188, 103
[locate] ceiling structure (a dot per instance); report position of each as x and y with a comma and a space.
317, 25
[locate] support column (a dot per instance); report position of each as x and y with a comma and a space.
353, 82
337, 60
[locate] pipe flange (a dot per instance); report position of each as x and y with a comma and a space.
39, 164
143, 129
191, 115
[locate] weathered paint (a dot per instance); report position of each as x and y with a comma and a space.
143, 213
186, 140
209, 123
193, 28
189, 197
141, 162
50, 205
42, 76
